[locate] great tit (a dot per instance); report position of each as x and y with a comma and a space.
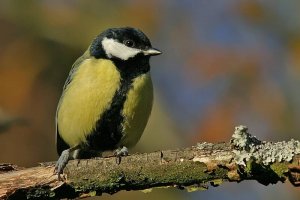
107, 97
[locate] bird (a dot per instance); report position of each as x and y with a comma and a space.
107, 97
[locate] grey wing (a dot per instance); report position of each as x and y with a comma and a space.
60, 143
75, 66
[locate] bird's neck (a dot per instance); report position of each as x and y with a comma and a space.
132, 68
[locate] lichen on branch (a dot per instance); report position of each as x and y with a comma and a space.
247, 147
193, 168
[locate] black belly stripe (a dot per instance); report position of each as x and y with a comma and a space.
108, 131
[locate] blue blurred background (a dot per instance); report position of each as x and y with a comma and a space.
224, 63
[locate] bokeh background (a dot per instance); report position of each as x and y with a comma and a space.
224, 63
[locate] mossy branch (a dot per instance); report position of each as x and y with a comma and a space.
194, 168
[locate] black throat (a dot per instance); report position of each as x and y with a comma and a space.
108, 131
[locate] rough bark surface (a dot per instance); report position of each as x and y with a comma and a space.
193, 168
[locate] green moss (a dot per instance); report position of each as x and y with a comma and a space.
216, 182
195, 188
280, 169
146, 191
92, 193
248, 169
149, 177
40, 193
262, 173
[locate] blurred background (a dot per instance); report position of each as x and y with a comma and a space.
224, 63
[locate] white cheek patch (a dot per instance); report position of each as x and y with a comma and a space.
114, 48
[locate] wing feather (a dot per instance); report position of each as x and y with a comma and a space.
60, 143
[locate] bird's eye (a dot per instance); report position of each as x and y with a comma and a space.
129, 43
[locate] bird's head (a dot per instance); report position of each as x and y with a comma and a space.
122, 44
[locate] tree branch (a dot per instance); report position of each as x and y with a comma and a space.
194, 168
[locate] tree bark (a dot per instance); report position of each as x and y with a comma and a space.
194, 168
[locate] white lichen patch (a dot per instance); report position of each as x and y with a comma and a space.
243, 140
201, 159
204, 145
247, 147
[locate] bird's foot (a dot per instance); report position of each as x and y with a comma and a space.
119, 153
62, 162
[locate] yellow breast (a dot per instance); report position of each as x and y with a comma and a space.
84, 100
137, 109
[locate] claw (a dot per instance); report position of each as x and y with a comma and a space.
119, 153
64, 158
62, 162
